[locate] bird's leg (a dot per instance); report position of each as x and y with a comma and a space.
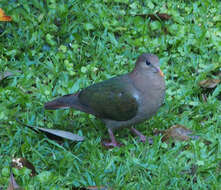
113, 142
139, 134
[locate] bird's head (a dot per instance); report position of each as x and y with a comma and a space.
149, 63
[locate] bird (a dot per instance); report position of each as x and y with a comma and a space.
122, 101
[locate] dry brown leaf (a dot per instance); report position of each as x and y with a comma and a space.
12, 183
157, 16
161, 16
97, 188
209, 83
19, 163
178, 132
3, 17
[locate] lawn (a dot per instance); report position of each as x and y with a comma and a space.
53, 48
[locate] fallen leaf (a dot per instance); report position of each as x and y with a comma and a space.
12, 183
3, 17
5, 75
97, 188
19, 163
178, 132
61, 133
209, 83
157, 16
55, 134
91, 188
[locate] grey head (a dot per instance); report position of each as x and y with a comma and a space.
148, 63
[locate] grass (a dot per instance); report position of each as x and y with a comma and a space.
62, 46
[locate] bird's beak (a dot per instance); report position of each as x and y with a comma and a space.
158, 70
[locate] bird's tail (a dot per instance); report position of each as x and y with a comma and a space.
66, 101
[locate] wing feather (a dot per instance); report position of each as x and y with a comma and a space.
112, 99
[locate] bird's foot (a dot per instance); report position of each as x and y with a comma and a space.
111, 144
150, 140
142, 138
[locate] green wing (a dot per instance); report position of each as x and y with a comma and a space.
112, 99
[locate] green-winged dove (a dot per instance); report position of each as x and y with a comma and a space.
122, 101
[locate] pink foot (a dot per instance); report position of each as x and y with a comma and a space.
113, 142
139, 134
142, 139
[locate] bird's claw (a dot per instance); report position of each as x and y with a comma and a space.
142, 138
111, 144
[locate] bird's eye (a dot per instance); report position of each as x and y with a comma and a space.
147, 62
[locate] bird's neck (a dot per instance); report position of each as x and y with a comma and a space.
144, 81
